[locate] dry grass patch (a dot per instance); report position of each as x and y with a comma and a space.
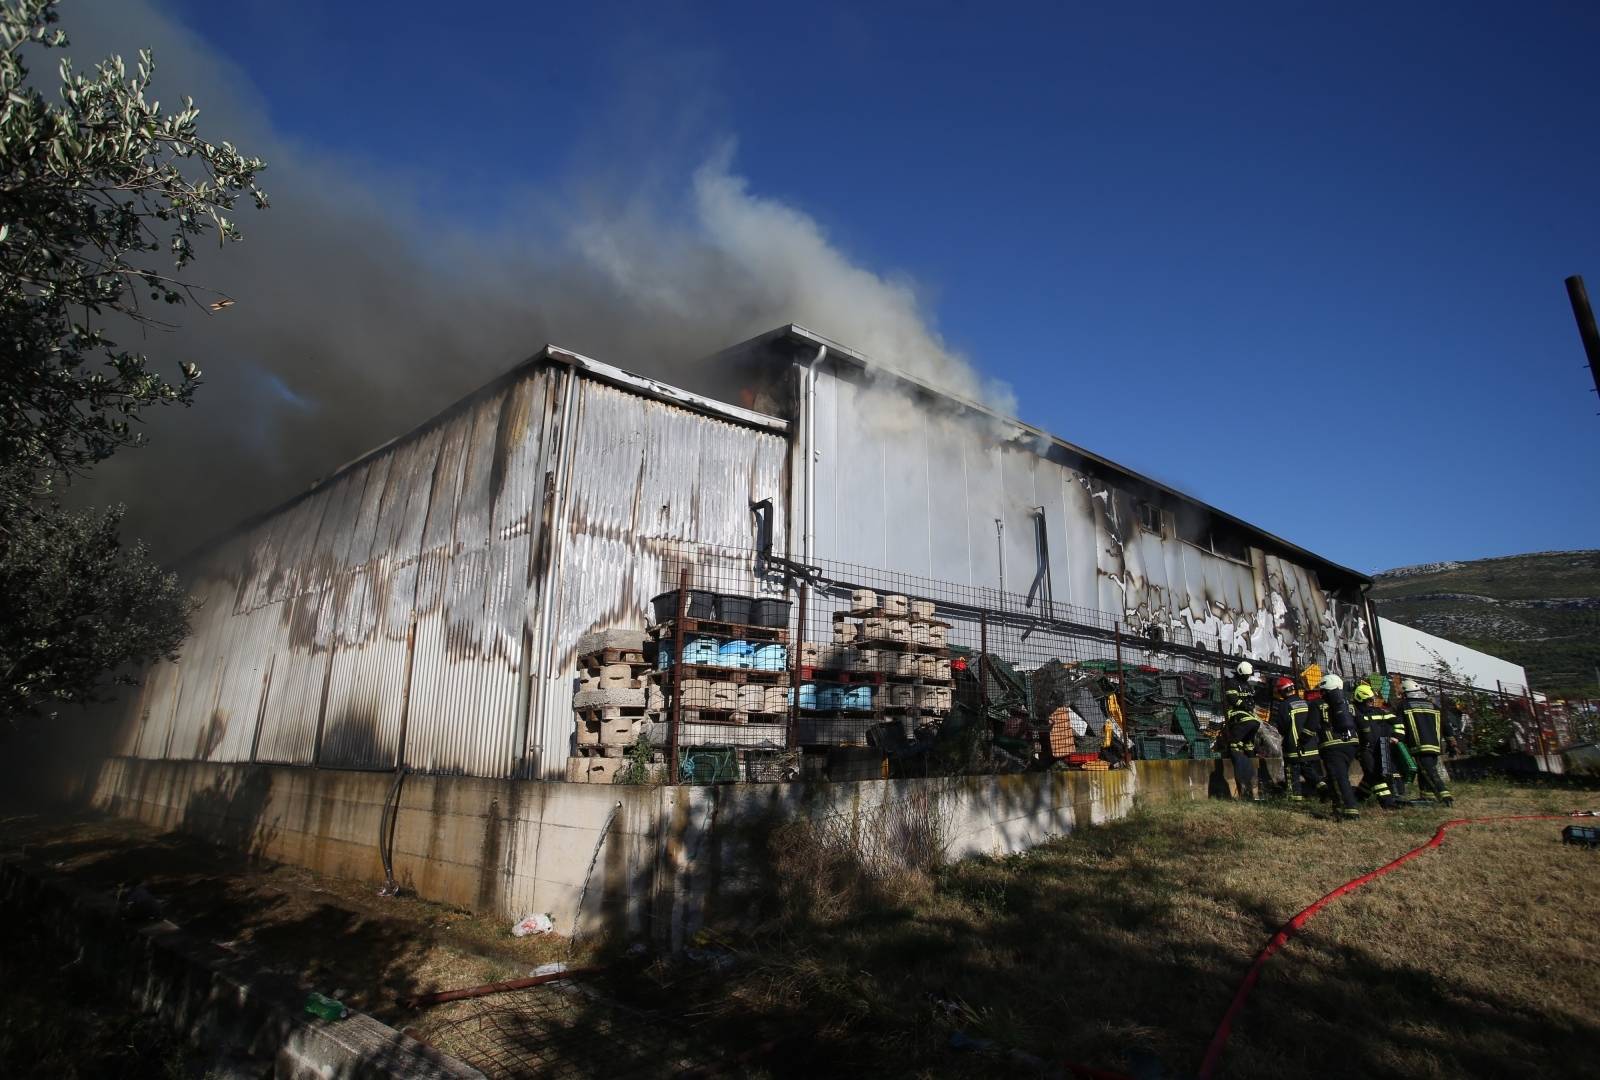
1120, 946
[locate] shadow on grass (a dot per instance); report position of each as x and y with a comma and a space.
1090, 951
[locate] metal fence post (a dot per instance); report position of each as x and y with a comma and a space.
794, 688
1122, 694
675, 714
983, 659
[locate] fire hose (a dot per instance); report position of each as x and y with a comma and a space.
1208, 1065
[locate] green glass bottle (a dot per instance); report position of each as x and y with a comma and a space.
325, 1007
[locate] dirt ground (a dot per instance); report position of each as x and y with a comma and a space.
337, 937
1118, 947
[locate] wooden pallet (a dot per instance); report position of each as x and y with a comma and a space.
907, 645
597, 750
913, 710
612, 656
840, 675
713, 628
879, 613
738, 676
602, 713
697, 715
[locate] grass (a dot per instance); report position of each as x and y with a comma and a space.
1120, 946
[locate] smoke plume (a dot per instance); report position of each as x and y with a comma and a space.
358, 316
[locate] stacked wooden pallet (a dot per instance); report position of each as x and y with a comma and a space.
613, 707
731, 685
898, 646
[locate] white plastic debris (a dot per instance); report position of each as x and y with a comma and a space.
554, 968
533, 924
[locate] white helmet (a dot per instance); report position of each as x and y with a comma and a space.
1245, 669
1332, 682
1410, 686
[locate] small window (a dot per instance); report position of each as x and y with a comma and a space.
1229, 543
1150, 517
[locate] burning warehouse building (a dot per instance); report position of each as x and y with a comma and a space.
423, 605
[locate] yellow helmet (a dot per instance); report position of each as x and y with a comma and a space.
1363, 692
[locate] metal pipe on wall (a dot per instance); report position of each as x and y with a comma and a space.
810, 464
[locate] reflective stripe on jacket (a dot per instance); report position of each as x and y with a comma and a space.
1341, 726
1290, 717
1242, 728
1424, 727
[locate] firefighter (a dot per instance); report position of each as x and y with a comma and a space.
1426, 736
1375, 727
1240, 736
1289, 715
1337, 743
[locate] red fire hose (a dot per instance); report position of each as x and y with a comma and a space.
1208, 1065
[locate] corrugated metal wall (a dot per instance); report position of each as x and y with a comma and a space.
643, 477
904, 485
400, 602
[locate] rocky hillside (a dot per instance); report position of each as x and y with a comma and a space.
1540, 610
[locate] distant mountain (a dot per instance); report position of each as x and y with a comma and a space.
1540, 610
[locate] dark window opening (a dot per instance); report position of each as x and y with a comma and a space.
1229, 543
1150, 517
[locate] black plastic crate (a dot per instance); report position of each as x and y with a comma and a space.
1587, 835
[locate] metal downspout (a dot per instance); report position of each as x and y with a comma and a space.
810, 467
559, 471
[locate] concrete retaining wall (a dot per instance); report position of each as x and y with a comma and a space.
670, 854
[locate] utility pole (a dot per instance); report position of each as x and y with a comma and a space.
1579, 296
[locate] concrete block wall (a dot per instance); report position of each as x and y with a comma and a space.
670, 854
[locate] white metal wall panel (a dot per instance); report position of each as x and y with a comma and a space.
1416, 649
640, 474
889, 494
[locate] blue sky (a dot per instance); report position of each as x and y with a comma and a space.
1307, 266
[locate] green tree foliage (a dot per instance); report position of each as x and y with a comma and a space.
102, 199
82, 611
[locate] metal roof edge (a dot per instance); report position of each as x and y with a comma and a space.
652, 388
837, 349
666, 392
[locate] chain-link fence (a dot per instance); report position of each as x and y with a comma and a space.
760, 669
1505, 718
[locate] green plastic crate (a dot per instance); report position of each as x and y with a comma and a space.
708, 766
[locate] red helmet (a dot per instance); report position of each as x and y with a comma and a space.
1283, 686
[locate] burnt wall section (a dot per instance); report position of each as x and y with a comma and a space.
907, 481
422, 606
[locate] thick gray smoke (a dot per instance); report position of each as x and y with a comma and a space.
357, 317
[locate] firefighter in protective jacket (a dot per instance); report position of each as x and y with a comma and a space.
1290, 715
1427, 736
1375, 727
1240, 736
1338, 743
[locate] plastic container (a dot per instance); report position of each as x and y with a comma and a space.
702, 650
771, 658
830, 698
326, 1007
856, 698
736, 654
808, 696
734, 609
769, 611
702, 605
